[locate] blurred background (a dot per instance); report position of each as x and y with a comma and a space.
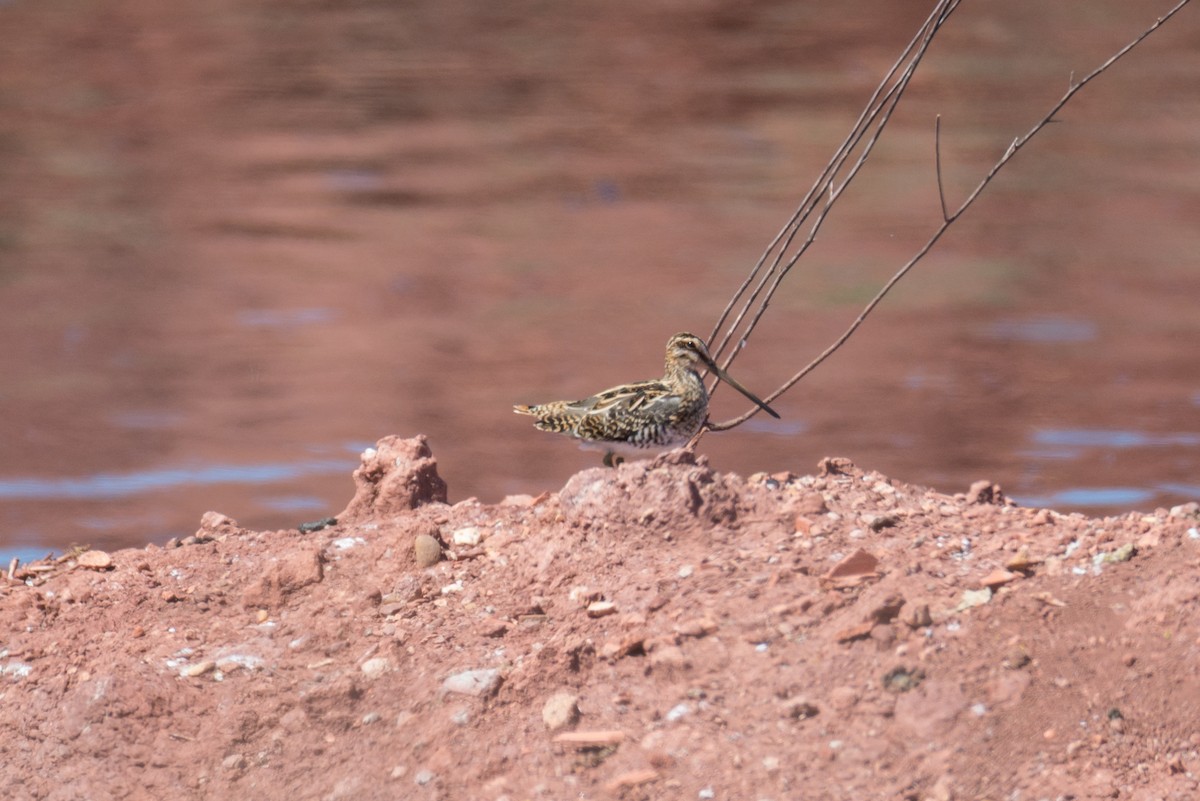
241, 240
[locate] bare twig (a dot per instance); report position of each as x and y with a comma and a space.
937, 157
928, 30
862, 139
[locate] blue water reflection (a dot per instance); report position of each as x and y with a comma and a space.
1044, 329
105, 486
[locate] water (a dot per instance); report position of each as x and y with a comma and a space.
237, 253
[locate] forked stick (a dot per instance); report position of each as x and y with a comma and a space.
877, 114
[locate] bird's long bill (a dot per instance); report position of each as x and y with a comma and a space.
724, 376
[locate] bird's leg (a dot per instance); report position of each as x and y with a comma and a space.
695, 440
611, 459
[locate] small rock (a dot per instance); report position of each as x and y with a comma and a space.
918, 617
94, 560
468, 536
234, 762
601, 608
481, 682
427, 550
858, 566
631, 778
1122, 554
699, 627
591, 739
423, 776
812, 505
859, 632
560, 710
887, 610
1190, 509
902, 679
880, 522
198, 669
374, 668
972, 598
371, 717
678, 712
997, 578
983, 491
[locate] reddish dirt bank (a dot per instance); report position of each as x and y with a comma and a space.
655, 631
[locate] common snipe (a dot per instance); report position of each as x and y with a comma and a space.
648, 414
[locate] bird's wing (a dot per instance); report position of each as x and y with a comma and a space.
623, 399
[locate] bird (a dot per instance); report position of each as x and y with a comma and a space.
656, 414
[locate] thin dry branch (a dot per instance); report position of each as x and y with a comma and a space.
873, 118
928, 30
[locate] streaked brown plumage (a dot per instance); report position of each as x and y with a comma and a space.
648, 414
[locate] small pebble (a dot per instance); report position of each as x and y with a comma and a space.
484, 681
427, 550
374, 668
560, 710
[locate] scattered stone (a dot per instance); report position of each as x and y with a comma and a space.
698, 627
834, 466
1185, 510
985, 492
427, 550
560, 710
918, 617
632, 778
972, 598
94, 560
1122, 554
214, 523
376, 667
997, 578
859, 632
902, 679
480, 683
1022, 562
424, 776
601, 608
591, 739
678, 712
812, 505
371, 717
887, 610
1016, 658
469, 536
854, 569
198, 669
234, 762
880, 522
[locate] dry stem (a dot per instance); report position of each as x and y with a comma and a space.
873, 120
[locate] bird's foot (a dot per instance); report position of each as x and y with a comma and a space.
612, 459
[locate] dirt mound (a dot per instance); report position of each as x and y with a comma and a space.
660, 630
